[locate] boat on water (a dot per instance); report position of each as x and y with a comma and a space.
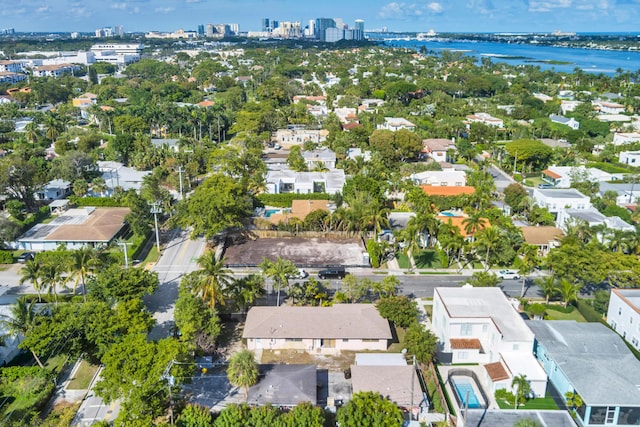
426, 36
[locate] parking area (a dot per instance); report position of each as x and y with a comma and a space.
312, 252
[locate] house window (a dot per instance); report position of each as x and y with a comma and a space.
628, 416
345, 340
516, 347
369, 340
466, 329
463, 355
619, 311
293, 340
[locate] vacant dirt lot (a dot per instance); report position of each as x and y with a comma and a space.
315, 252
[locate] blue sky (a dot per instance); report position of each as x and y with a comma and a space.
398, 15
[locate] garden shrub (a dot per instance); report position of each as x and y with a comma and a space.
6, 257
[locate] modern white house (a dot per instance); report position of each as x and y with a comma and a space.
629, 158
567, 106
354, 153
486, 119
571, 122
559, 200
589, 359
324, 330
628, 193
396, 123
289, 137
288, 181
606, 107
443, 178
592, 217
325, 159
624, 314
54, 190
480, 325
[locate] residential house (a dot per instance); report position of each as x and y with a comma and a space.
571, 122
320, 99
85, 100
562, 176
620, 138
605, 107
11, 78
631, 158
479, 325
7, 66
327, 330
458, 221
486, 119
396, 123
559, 200
592, 217
567, 106
299, 210
288, 181
354, 153
589, 359
9, 344
544, 237
437, 148
443, 178
76, 228
346, 114
54, 70
393, 382
172, 144
542, 97
624, 314
627, 193
116, 175
54, 190
320, 159
438, 190
290, 137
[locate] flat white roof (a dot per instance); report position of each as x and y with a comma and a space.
469, 302
524, 363
380, 359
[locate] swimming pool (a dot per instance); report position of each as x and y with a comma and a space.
269, 212
462, 388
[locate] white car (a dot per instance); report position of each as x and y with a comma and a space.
508, 274
301, 274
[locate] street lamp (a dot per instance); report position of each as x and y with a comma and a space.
126, 257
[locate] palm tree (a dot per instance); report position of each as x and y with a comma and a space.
473, 223
22, 319
243, 371
32, 272
279, 271
53, 276
523, 388
620, 240
489, 238
99, 185
528, 262
83, 260
246, 290
548, 286
212, 279
568, 291
411, 243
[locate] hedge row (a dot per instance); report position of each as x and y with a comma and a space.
588, 312
608, 167
100, 202
6, 257
285, 200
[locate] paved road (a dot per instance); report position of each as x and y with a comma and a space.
501, 179
178, 258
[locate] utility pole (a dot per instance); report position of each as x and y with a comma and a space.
155, 210
413, 375
170, 383
180, 170
126, 257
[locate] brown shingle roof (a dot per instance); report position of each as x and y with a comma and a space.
393, 382
496, 371
438, 144
300, 209
101, 226
541, 235
340, 321
465, 344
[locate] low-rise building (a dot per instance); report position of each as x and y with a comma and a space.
592, 217
621, 138
559, 200
326, 330
290, 137
623, 314
396, 123
567, 106
544, 237
54, 70
437, 148
567, 121
443, 178
319, 159
563, 176
606, 107
479, 325
592, 361
631, 158
486, 119
288, 181
54, 190
627, 193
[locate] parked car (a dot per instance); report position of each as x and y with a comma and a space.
508, 274
543, 186
26, 256
301, 274
332, 273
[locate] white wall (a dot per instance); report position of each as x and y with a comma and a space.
624, 320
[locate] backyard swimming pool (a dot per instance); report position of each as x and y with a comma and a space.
269, 212
467, 390
464, 390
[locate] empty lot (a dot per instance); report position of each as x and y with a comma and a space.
312, 252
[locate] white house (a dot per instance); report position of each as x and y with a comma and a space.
288, 181
624, 314
396, 123
592, 217
479, 325
556, 200
54, 190
486, 119
320, 158
54, 70
571, 122
11, 66
436, 148
443, 178
326, 330
346, 114
354, 153
629, 158
609, 107
628, 193
567, 106
620, 138
289, 137
562, 176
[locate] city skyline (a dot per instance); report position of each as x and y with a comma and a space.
416, 15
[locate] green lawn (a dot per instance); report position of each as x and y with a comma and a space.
403, 261
557, 315
423, 259
398, 346
541, 403
83, 376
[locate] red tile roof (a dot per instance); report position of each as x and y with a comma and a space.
465, 344
496, 371
432, 190
552, 174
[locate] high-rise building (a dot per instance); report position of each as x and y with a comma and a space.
274, 24
223, 30
359, 25
200, 30
210, 30
266, 25
234, 28
358, 33
311, 29
118, 30
321, 27
333, 34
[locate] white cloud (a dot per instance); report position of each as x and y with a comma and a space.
43, 9
164, 9
119, 6
548, 6
435, 7
80, 12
